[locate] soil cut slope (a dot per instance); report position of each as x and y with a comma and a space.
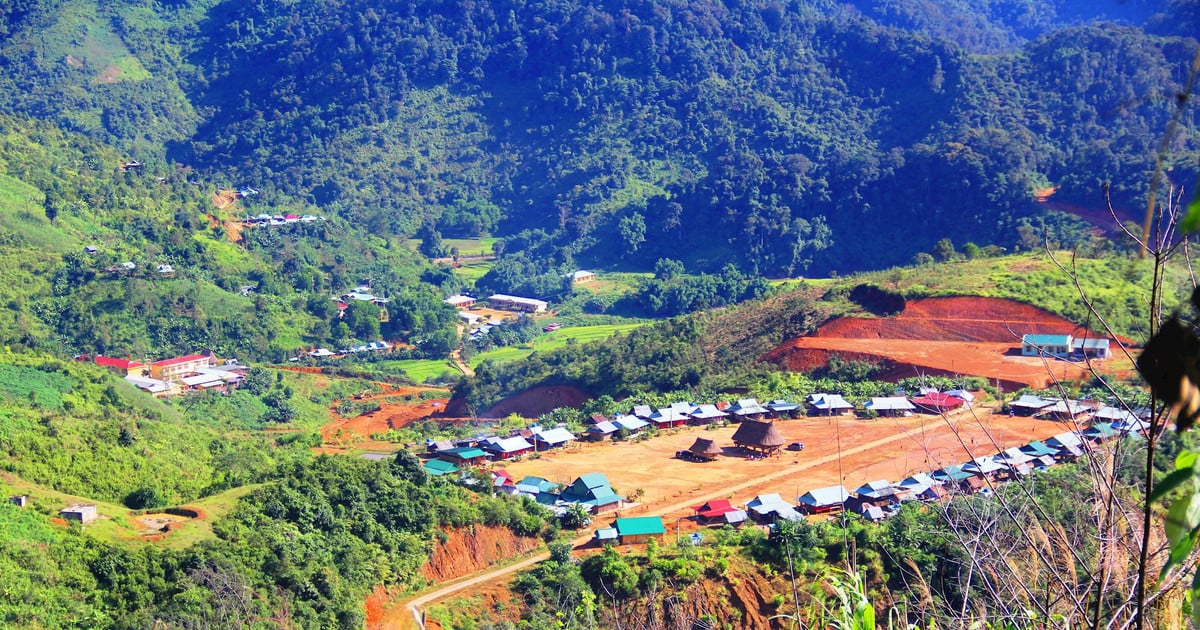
955, 319
953, 336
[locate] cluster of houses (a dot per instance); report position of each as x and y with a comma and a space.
449, 456
177, 375
325, 353
878, 500
274, 220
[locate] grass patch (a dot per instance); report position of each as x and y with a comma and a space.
471, 246
420, 370
215, 508
472, 271
551, 341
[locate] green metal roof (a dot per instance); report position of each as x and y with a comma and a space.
640, 525
464, 452
439, 467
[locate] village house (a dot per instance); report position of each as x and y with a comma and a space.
706, 414
747, 409
153, 386
783, 408
984, 468
582, 277
1017, 463
639, 529
543, 491
1028, 405
82, 513
632, 424
714, 511
953, 477
514, 303
1069, 446
439, 467
938, 403
124, 367
463, 456
879, 493
1099, 432
460, 301
545, 439
1046, 345
668, 417
891, 406
19, 500
768, 508
824, 500
828, 405
1065, 410
601, 431
1091, 348
641, 411
593, 492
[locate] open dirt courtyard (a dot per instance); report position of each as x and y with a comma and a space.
837, 450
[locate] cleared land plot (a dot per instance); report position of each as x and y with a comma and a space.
945, 337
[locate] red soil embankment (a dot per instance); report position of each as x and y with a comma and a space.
955, 319
468, 550
941, 337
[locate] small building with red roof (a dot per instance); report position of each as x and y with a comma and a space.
713, 510
124, 367
937, 402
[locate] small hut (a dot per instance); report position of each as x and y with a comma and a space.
705, 449
758, 436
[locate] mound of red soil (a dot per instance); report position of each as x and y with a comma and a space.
955, 319
472, 549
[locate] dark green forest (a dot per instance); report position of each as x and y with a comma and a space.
767, 134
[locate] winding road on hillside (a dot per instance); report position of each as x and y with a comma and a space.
398, 617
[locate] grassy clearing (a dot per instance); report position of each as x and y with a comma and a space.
470, 272
215, 507
471, 246
550, 341
420, 370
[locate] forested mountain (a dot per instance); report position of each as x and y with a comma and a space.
775, 135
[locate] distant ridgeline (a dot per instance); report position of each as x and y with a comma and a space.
784, 138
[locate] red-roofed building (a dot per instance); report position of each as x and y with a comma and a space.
937, 402
124, 367
714, 509
174, 369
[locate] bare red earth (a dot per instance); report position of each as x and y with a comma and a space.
942, 337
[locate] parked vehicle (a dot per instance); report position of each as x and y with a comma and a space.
796, 446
